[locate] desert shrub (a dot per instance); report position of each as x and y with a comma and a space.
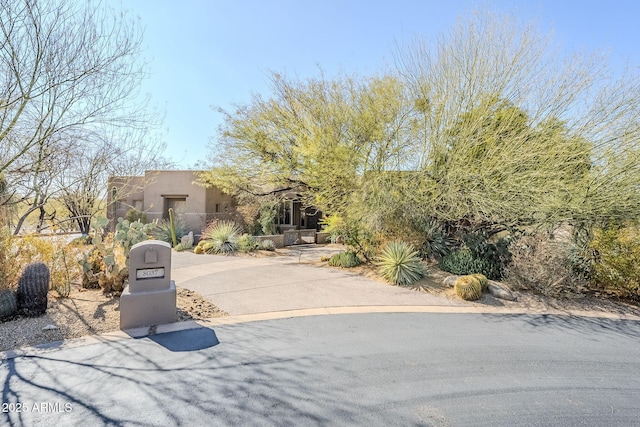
464, 262
616, 269
267, 245
268, 211
134, 215
362, 241
81, 241
247, 243
468, 288
543, 265
182, 247
221, 237
495, 255
162, 230
400, 264
435, 242
335, 226
18, 252
345, 259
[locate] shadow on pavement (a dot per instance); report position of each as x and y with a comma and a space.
576, 324
189, 340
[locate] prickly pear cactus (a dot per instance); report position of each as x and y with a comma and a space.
8, 303
468, 288
484, 282
32, 289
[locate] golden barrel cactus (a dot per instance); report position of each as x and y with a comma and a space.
468, 288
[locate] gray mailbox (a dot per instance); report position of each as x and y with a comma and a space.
150, 297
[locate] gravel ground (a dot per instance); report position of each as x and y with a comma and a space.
88, 312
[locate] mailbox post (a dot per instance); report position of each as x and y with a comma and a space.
150, 297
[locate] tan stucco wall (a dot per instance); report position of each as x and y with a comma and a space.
158, 186
128, 189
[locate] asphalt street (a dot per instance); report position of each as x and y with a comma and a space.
356, 369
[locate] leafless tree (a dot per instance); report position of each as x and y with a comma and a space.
71, 74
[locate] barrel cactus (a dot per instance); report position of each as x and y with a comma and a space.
33, 287
468, 288
484, 282
8, 303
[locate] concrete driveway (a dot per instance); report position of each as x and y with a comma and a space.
247, 285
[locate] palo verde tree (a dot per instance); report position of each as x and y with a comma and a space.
509, 130
320, 138
488, 124
71, 78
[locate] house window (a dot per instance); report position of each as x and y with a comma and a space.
285, 212
217, 207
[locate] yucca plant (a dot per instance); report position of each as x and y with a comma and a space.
221, 237
163, 230
400, 264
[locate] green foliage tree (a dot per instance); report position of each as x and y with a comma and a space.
487, 126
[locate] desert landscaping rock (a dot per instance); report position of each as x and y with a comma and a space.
499, 291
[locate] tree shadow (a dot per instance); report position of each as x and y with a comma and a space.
180, 378
587, 326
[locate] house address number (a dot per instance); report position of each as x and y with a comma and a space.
150, 273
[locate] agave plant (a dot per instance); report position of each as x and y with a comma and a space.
400, 264
221, 237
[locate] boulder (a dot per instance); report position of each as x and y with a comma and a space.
187, 240
450, 280
499, 291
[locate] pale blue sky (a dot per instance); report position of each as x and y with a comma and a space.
216, 53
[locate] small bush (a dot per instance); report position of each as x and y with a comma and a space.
463, 262
221, 237
267, 245
81, 241
247, 243
346, 259
543, 265
182, 247
134, 215
617, 266
17, 252
400, 264
495, 256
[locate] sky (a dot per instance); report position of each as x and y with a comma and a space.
215, 53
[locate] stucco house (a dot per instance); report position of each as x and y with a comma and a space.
158, 190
